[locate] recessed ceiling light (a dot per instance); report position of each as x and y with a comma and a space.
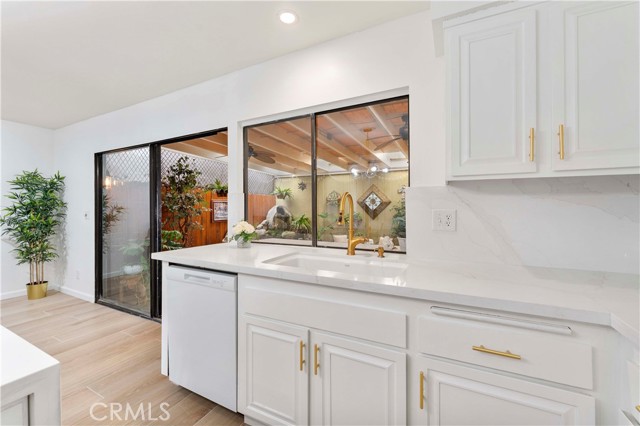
288, 17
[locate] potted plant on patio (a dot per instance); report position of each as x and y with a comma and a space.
282, 193
220, 189
399, 224
301, 225
31, 222
134, 250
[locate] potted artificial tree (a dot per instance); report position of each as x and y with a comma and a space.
31, 221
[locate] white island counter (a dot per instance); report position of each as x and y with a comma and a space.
29, 383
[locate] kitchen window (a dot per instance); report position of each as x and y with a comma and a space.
301, 166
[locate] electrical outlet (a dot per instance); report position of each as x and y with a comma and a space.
77, 274
443, 220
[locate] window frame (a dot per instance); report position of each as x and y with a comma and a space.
314, 171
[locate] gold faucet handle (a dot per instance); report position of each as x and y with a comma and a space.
380, 251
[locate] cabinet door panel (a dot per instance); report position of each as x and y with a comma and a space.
596, 85
357, 384
492, 75
274, 390
457, 395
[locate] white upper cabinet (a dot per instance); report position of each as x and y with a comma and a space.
549, 89
492, 68
595, 85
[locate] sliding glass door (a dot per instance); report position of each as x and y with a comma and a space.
125, 230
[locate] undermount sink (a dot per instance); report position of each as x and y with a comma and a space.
351, 265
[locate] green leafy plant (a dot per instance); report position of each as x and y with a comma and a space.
32, 219
282, 193
221, 189
357, 219
183, 199
111, 213
399, 220
171, 240
327, 224
301, 224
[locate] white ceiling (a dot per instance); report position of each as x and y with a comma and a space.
63, 62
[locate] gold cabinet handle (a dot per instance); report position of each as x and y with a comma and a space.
638, 408
507, 354
422, 390
531, 144
316, 364
301, 354
561, 141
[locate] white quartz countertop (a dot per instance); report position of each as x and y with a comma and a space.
602, 298
20, 359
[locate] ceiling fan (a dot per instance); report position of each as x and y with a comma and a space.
403, 133
264, 156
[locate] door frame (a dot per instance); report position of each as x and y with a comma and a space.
155, 220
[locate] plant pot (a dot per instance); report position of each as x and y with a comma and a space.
37, 291
402, 242
244, 244
222, 193
132, 269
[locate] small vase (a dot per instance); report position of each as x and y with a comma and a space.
244, 243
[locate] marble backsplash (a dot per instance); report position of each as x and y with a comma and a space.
587, 223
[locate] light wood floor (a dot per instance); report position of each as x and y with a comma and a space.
107, 357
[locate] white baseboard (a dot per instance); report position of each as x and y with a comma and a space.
78, 294
22, 292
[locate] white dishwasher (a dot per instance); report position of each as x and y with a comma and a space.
200, 306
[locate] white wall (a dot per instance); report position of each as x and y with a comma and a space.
23, 148
395, 58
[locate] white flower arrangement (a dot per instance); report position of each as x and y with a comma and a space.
244, 231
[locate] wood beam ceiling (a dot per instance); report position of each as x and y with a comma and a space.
354, 133
378, 113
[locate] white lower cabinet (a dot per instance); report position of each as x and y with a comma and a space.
350, 382
452, 394
353, 383
273, 384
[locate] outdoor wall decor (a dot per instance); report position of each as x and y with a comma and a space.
333, 198
219, 211
373, 201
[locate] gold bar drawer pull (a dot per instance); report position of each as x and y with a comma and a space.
638, 408
507, 354
301, 354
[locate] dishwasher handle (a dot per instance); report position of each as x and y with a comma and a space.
198, 278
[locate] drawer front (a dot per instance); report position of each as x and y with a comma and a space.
530, 353
365, 322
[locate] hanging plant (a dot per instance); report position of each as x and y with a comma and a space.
32, 220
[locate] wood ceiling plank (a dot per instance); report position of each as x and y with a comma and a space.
351, 131
378, 113
335, 146
193, 150
297, 142
207, 145
265, 141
